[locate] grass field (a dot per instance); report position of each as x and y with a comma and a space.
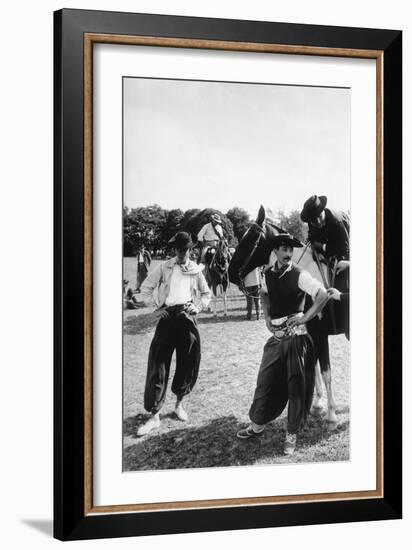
219, 403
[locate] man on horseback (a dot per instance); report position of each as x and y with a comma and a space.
179, 290
210, 235
328, 231
287, 369
329, 237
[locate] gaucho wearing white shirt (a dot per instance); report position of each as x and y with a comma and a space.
180, 290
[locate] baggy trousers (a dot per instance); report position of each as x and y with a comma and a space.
286, 373
179, 332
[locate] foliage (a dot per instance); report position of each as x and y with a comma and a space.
195, 223
153, 226
240, 221
292, 224
172, 226
143, 226
187, 216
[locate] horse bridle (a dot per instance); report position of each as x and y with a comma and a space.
242, 267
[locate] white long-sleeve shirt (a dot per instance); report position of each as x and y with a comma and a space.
210, 232
157, 287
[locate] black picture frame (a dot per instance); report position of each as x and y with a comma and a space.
71, 521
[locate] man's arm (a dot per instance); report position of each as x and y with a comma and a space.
346, 230
314, 238
204, 289
264, 296
150, 284
338, 241
201, 233
340, 296
316, 290
318, 304
219, 230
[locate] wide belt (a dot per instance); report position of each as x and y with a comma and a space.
283, 331
178, 308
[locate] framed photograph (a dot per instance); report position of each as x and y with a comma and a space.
228, 278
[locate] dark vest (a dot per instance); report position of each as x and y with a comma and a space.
285, 296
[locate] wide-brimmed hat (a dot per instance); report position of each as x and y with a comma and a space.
216, 218
286, 239
313, 208
182, 240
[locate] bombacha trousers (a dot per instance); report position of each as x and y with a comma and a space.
286, 374
178, 333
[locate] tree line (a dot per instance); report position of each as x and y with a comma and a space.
153, 226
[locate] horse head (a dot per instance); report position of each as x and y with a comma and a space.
254, 248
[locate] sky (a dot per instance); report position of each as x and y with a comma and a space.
199, 144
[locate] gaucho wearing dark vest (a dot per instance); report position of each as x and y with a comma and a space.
287, 370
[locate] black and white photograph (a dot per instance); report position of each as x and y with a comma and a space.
236, 268
197, 183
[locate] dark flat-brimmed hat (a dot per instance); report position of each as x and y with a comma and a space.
313, 208
286, 239
182, 240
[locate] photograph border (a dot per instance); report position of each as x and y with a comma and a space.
76, 32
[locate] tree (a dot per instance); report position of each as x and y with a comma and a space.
172, 225
143, 226
186, 217
240, 221
194, 224
292, 224
128, 235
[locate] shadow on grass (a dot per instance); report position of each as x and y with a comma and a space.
230, 318
216, 444
142, 323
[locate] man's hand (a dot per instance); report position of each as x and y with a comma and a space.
317, 246
270, 327
191, 309
333, 293
295, 321
161, 313
342, 265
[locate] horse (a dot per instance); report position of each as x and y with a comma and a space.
256, 249
217, 260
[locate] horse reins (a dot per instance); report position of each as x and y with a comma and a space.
241, 269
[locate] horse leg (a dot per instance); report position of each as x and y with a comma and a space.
324, 362
331, 418
249, 303
316, 404
257, 307
215, 305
